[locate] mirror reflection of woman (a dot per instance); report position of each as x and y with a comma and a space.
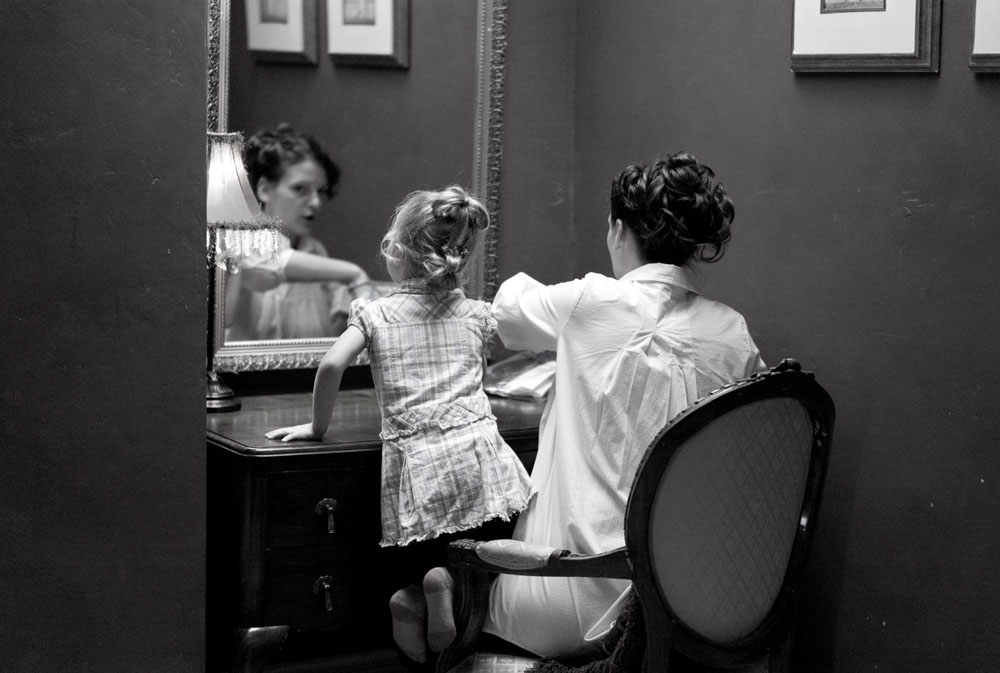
304, 293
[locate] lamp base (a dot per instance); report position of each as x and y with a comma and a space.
218, 396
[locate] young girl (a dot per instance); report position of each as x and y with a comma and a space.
445, 467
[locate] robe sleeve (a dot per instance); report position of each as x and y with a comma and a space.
530, 316
259, 276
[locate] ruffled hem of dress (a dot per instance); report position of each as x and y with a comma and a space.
504, 516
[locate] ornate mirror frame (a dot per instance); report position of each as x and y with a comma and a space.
488, 149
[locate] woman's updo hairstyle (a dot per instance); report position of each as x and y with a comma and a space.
677, 208
432, 235
270, 152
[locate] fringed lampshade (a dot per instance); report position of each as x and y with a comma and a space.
237, 230
237, 227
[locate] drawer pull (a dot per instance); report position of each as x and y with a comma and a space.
325, 584
327, 506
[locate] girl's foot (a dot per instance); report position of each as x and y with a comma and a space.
409, 614
438, 589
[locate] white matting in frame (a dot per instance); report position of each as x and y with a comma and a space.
986, 37
283, 30
369, 32
866, 35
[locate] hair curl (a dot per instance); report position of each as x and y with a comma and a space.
433, 233
269, 153
677, 207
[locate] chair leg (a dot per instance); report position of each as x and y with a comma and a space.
779, 659
657, 650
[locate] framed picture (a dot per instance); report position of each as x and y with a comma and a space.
986, 37
285, 31
369, 32
866, 35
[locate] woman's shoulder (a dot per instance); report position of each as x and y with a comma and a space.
522, 283
594, 279
596, 288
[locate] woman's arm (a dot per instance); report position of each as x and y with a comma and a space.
305, 267
530, 316
327, 385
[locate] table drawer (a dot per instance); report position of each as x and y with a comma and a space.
307, 507
330, 588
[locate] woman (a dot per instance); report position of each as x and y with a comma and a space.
304, 293
632, 351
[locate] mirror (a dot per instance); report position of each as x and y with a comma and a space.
390, 130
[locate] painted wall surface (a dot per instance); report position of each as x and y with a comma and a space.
536, 226
102, 283
865, 245
391, 131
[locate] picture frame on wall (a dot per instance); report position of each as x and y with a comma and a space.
866, 36
986, 37
283, 31
373, 33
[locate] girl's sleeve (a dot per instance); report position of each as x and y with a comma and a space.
531, 316
360, 319
489, 322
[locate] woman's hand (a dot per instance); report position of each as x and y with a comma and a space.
301, 432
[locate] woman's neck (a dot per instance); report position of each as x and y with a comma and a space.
629, 260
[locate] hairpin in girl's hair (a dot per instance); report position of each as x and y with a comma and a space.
454, 252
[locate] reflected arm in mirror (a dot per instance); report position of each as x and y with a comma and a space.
314, 309
305, 267
328, 376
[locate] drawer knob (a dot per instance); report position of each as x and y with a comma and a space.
327, 506
325, 584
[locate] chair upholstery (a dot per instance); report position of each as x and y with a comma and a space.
726, 511
717, 527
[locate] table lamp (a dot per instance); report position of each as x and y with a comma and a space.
237, 230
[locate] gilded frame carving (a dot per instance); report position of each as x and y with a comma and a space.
488, 150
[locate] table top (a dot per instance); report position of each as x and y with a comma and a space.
354, 426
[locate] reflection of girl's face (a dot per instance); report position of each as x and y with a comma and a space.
296, 198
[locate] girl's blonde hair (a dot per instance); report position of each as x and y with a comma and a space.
432, 234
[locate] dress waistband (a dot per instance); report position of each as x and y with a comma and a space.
458, 412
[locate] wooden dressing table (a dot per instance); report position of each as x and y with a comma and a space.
293, 530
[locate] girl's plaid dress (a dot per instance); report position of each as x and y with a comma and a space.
445, 467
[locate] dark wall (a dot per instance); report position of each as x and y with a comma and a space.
536, 227
102, 284
865, 245
391, 131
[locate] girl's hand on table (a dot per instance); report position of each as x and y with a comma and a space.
294, 432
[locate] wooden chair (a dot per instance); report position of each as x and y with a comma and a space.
717, 527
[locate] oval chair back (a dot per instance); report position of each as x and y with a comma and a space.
720, 517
